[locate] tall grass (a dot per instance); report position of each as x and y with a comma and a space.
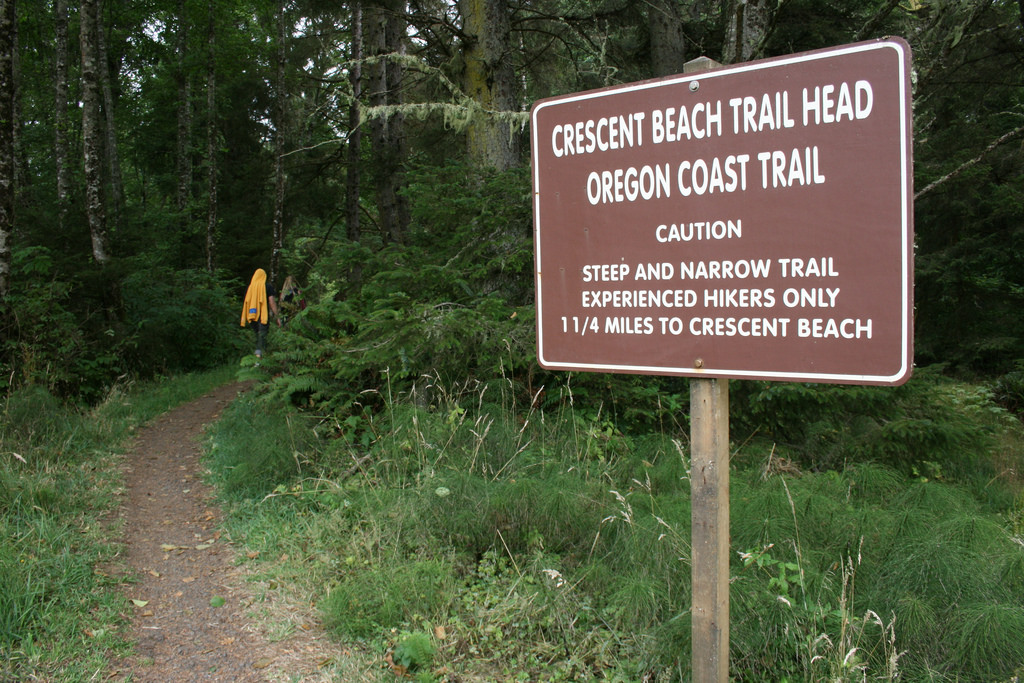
537, 541
60, 613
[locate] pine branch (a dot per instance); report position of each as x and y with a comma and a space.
1001, 140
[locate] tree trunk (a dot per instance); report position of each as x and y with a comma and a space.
184, 146
7, 28
353, 175
110, 128
384, 35
490, 81
211, 138
279, 132
355, 131
60, 114
668, 45
92, 138
747, 26
396, 40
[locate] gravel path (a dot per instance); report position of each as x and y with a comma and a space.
192, 605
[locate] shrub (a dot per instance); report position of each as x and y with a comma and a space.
49, 336
179, 320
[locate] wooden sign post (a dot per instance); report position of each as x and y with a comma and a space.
709, 492
709, 514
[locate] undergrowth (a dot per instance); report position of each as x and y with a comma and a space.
527, 539
61, 615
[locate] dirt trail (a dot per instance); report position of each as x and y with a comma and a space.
191, 602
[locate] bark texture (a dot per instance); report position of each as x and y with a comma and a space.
113, 157
355, 131
280, 95
490, 81
211, 137
7, 43
668, 45
384, 31
60, 112
92, 134
746, 29
184, 146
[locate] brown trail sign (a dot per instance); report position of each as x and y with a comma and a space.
754, 221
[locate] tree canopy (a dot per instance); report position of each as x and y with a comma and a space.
155, 153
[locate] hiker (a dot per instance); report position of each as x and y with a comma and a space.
291, 298
260, 302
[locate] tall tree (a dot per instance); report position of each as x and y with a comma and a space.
60, 112
92, 124
110, 147
490, 81
7, 43
355, 131
747, 26
211, 136
668, 44
183, 76
384, 35
280, 124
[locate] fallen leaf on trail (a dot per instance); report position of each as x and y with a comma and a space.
140, 603
155, 573
203, 546
148, 613
217, 601
188, 579
178, 594
252, 554
167, 547
440, 633
262, 663
227, 641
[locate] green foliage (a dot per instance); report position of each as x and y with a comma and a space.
30, 416
526, 530
366, 603
990, 640
48, 337
1009, 391
450, 302
179, 320
525, 537
268, 448
20, 598
921, 427
414, 652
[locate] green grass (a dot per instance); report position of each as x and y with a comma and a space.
60, 612
533, 544
551, 545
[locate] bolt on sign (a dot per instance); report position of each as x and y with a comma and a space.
753, 221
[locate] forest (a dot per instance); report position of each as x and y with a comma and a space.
154, 153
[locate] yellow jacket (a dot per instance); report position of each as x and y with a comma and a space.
255, 305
